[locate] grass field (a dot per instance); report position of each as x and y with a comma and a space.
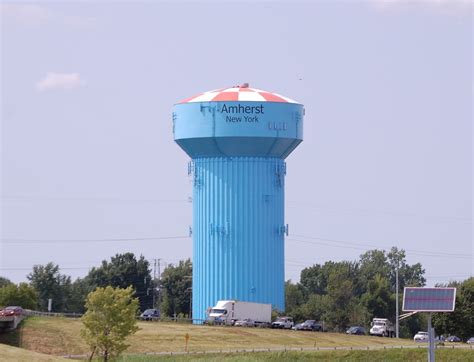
60, 337
384, 355
8, 353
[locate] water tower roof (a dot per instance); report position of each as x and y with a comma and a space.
239, 93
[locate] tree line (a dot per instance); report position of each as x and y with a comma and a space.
348, 293
340, 294
171, 292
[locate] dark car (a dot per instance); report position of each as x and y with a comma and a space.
309, 325
357, 330
453, 339
150, 314
12, 311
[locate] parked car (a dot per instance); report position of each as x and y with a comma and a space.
357, 330
309, 325
283, 323
247, 322
421, 337
150, 314
453, 339
470, 340
12, 311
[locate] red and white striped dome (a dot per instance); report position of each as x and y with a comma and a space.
239, 93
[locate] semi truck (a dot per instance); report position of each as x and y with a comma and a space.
382, 327
230, 311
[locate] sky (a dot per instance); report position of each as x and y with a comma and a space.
89, 167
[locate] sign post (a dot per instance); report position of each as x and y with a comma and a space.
429, 300
431, 354
186, 338
397, 322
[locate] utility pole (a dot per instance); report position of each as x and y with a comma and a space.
157, 283
159, 271
396, 304
154, 283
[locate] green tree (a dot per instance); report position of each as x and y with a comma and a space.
76, 296
358, 291
385, 264
176, 282
358, 314
293, 296
315, 307
4, 282
378, 299
372, 263
110, 318
21, 295
340, 294
50, 283
408, 275
315, 279
461, 321
122, 271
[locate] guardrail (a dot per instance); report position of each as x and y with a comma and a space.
183, 320
30, 312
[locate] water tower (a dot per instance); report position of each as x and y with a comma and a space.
238, 139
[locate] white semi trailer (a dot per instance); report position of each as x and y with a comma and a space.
382, 327
230, 311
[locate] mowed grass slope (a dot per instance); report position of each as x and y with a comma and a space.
405, 355
61, 336
171, 337
9, 353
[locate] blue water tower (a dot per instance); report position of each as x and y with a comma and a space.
238, 139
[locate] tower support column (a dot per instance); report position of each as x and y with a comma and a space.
238, 231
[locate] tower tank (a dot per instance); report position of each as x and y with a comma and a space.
238, 139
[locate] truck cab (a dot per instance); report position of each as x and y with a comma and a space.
220, 313
382, 327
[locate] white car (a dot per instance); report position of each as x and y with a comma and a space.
283, 323
245, 323
421, 337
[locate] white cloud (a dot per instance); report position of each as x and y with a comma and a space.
441, 4
32, 14
25, 13
64, 81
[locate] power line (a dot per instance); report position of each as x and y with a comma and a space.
363, 246
330, 242
427, 254
40, 241
373, 245
89, 199
367, 212
290, 203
